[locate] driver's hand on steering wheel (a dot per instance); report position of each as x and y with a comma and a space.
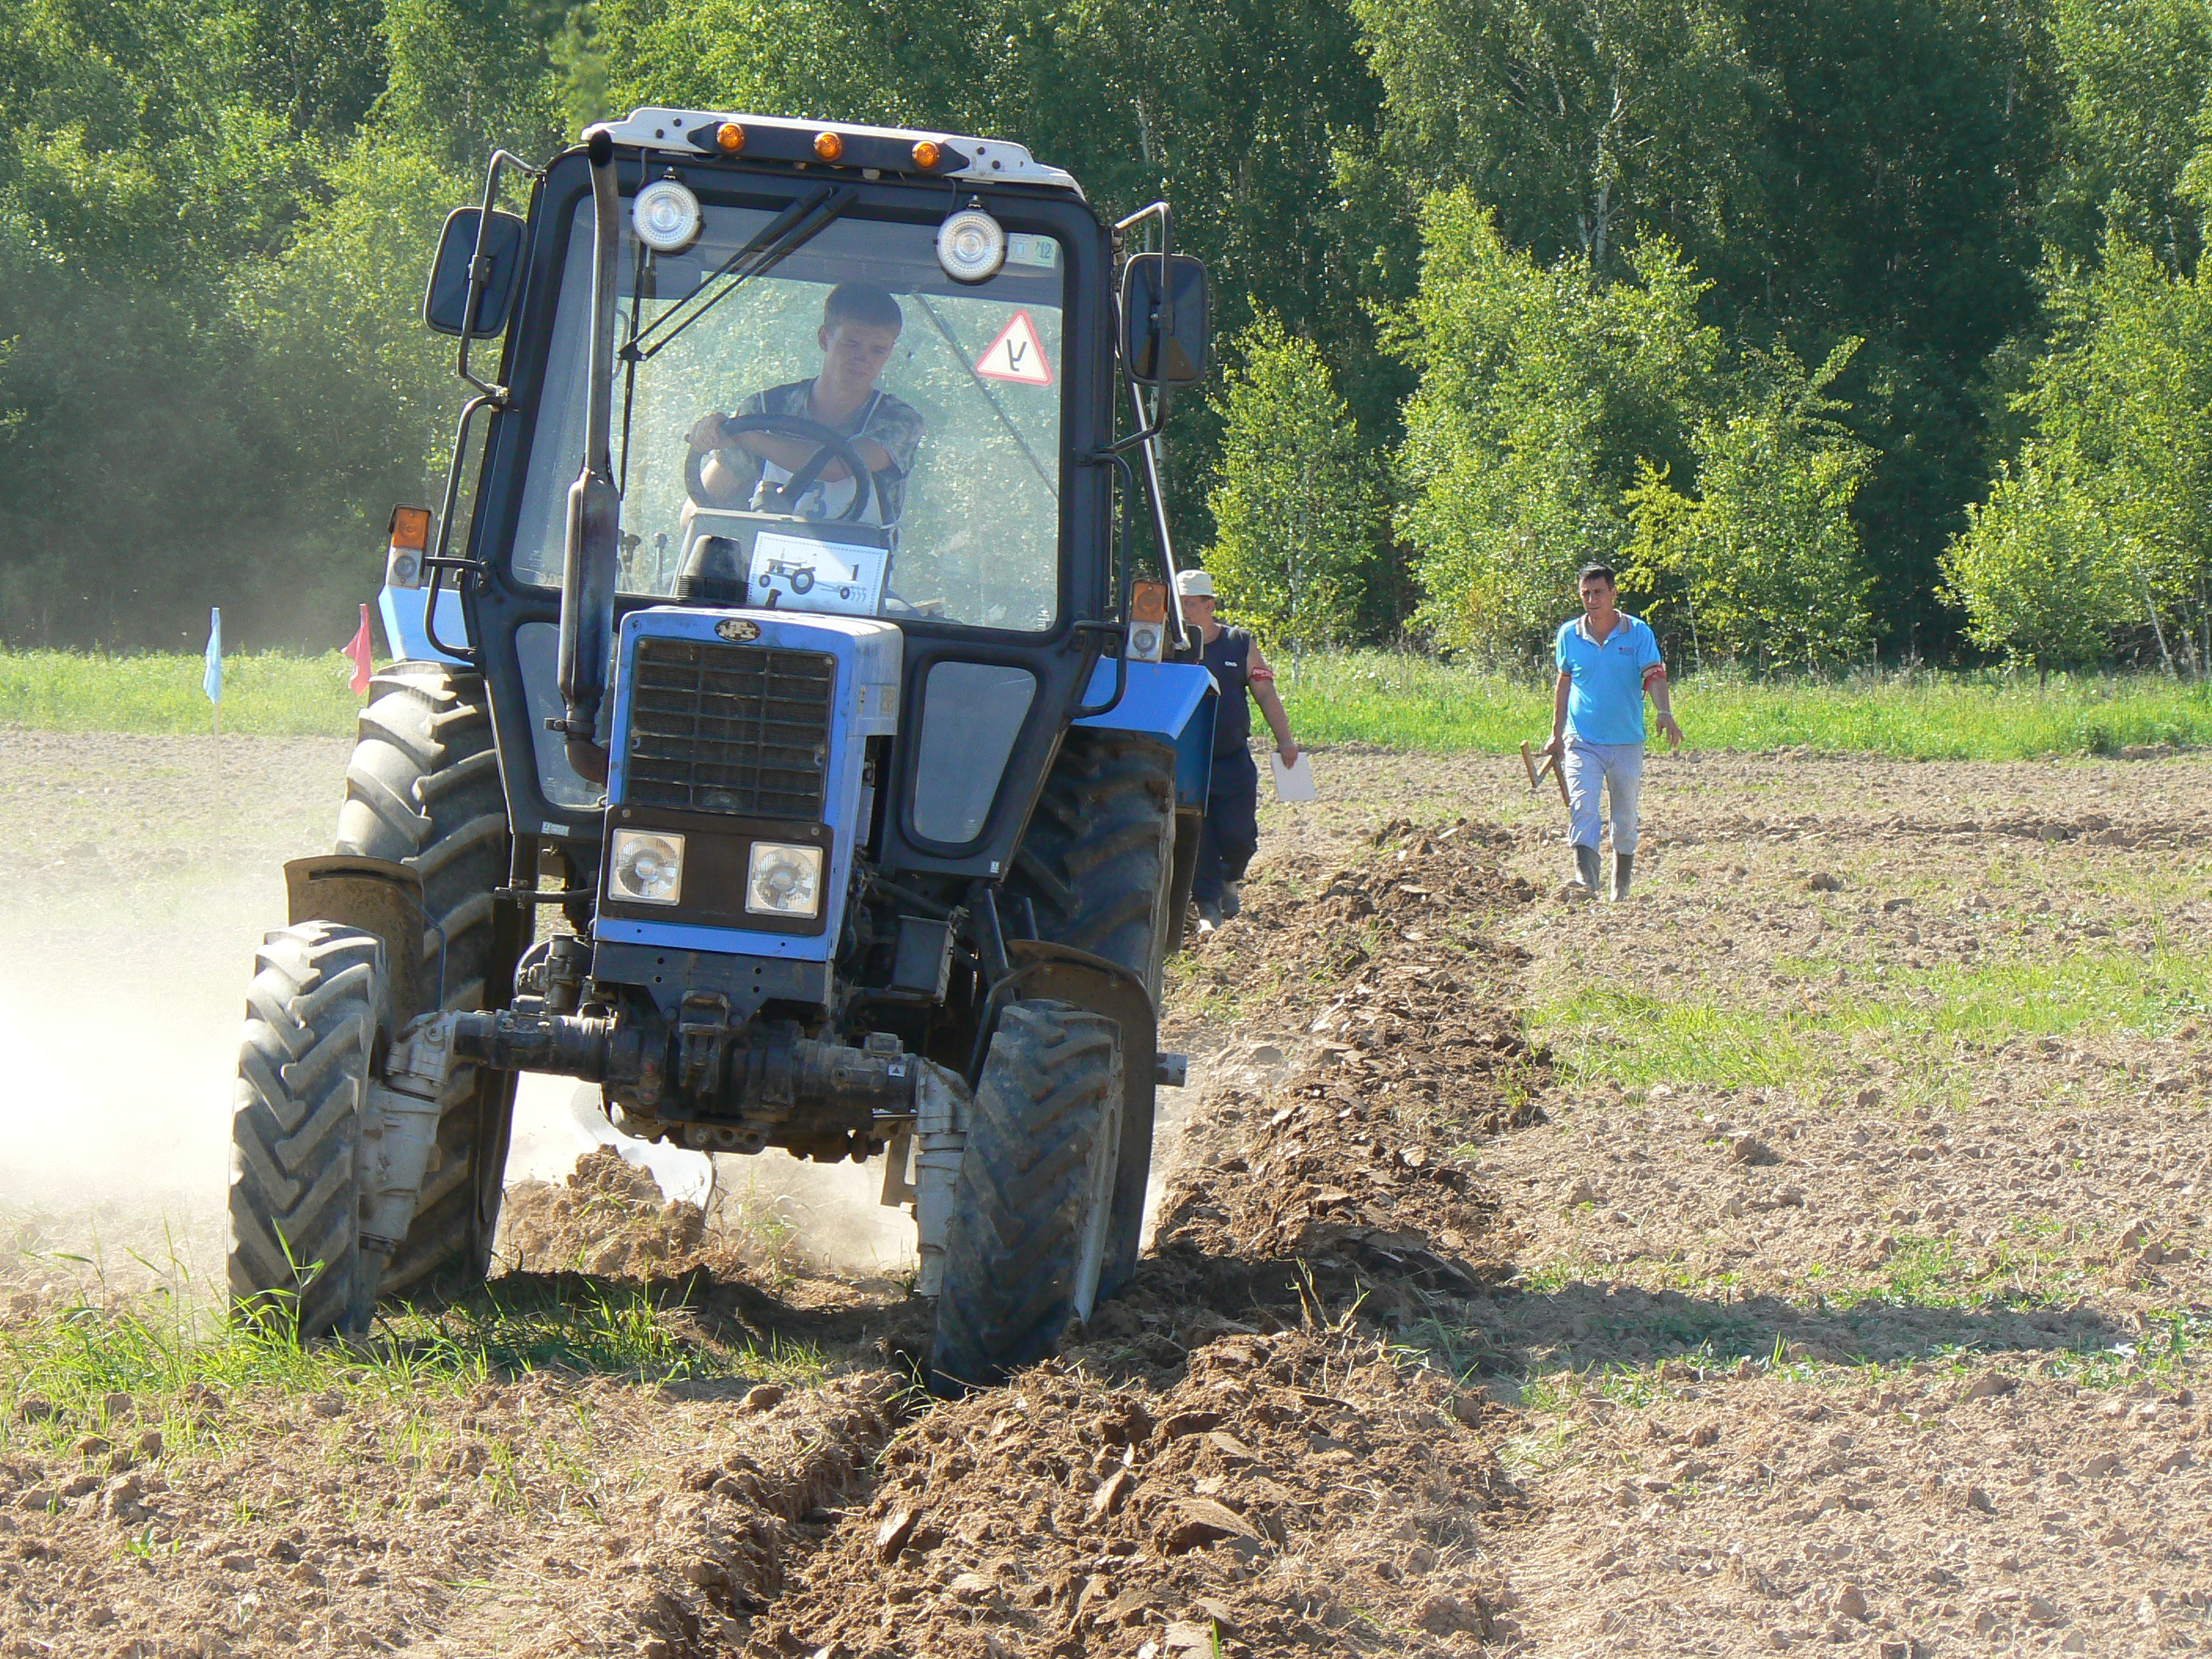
708, 433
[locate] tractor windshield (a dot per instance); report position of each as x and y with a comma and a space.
741, 407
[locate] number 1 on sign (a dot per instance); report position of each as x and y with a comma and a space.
1018, 355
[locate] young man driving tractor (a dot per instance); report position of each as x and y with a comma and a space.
860, 327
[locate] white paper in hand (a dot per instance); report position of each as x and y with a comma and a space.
1293, 783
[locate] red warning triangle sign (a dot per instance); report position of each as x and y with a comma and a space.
1017, 355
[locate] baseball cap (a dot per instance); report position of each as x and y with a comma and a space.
1194, 585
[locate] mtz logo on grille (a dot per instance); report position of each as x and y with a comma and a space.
737, 628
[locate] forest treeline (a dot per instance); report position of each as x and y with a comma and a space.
1846, 329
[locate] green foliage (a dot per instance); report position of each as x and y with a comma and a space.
1296, 508
1767, 553
2109, 513
1862, 169
2039, 571
2137, 73
1541, 393
214, 216
1584, 122
213, 223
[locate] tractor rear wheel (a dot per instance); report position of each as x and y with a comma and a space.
424, 790
1033, 1206
316, 1022
1098, 866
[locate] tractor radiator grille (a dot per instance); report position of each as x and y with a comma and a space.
729, 728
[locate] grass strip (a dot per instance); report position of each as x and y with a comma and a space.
160, 1345
267, 693
1393, 699
1631, 1037
1406, 701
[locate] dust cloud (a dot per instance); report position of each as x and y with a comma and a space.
147, 872
121, 1045
121, 1048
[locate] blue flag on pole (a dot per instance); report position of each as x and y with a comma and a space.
211, 681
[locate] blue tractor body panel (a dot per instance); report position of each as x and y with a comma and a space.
867, 654
406, 612
1174, 702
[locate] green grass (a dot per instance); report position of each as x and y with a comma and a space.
1408, 702
265, 693
1650, 1039
157, 1346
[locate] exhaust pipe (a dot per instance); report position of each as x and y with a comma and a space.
587, 564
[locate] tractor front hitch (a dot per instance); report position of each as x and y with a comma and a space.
766, 1076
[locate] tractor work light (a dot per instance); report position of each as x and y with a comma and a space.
971, 245
647, 867
829, 145
666, 216
782, 880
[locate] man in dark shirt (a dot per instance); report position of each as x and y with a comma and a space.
1231, 834
860, 327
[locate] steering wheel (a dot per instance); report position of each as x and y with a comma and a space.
830, 446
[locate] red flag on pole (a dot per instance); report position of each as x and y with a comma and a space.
359, 651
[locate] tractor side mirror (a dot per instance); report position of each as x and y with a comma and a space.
448, 291
1164, 319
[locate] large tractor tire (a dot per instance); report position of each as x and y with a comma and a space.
1032, 1208
316, 1020
422, 789
1098, 865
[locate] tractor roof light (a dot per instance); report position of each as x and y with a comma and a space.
927, 155
971, 245
829, 145
730, 138
666, 216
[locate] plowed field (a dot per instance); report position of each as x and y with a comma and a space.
1808, 1252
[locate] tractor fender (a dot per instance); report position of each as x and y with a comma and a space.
379, 896
1171, 701
1061, 973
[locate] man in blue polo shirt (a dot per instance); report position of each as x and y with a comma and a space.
1607, 660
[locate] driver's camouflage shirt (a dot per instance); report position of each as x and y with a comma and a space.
896, 426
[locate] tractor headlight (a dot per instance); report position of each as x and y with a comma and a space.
971, 245
782, 880
647, 867
666, 216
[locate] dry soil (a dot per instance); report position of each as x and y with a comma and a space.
1806, 1252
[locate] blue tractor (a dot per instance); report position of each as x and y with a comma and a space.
783, 739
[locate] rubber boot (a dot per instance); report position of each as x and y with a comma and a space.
1232, 899
1209, 918
1584, 882
1624, 866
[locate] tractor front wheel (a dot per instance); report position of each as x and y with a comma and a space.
316, 1022
1033, 1206
1098, 867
